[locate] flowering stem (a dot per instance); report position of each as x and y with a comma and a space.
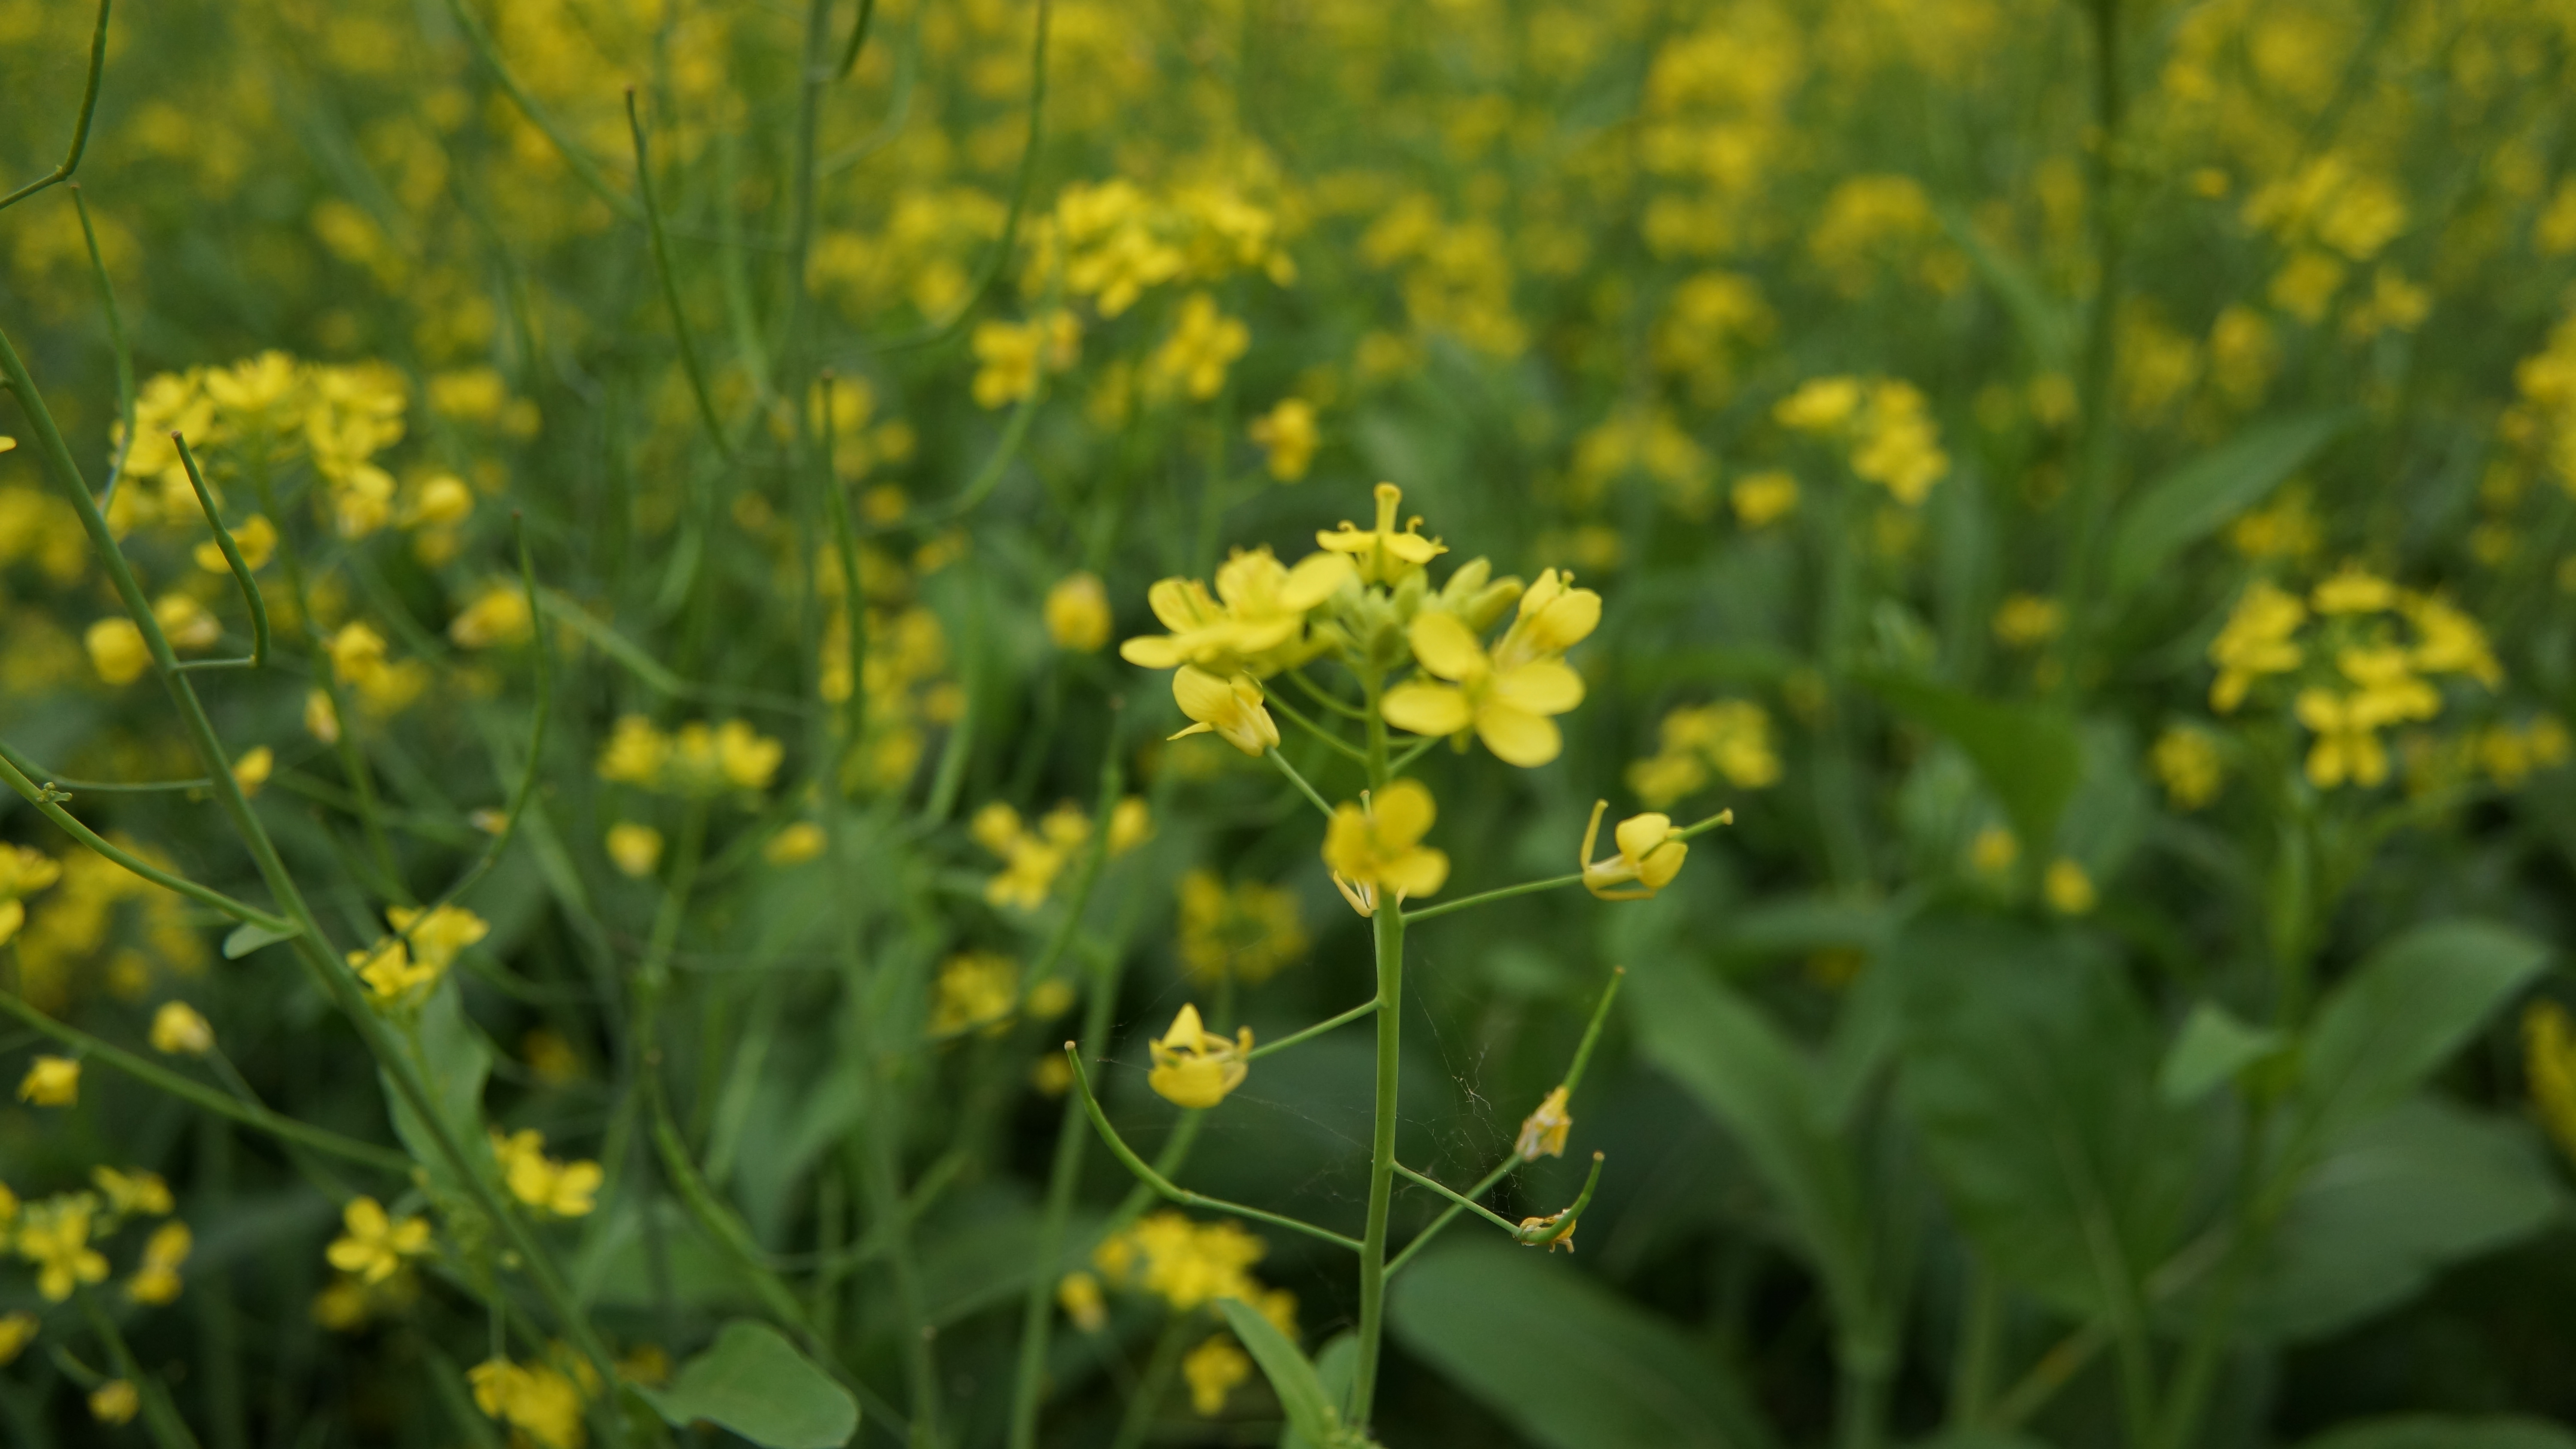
1318, 731
1318, 1029
80, 128
1423, 1239
35, 771
232, 557
1326, 697
1127, 1155
52, 810
1463, 1201
1528, 887
152, 1074
1421, 747
1304, 788
1387, 928
670, 283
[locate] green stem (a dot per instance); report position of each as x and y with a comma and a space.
1303, 788
1387, 930
1499, 893
80, 128
232, 557
123, 350
858, 38
2101, 350
1972, 1381
1127, 1157
1460, 1200
49, 805
37, 772
1365, 1008
671, 285
583, 168
1138, 1421
196, 1094
1298, 718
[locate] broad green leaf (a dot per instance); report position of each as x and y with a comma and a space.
2185, 505
2212, 1047
2434, 1431
1567, 1362
2028, 754
755, 1383
455, 1060
2030, 1072
247, 938
2419, 1186
2402, 1013
1762, 1086
1301, 1394
1335, 1367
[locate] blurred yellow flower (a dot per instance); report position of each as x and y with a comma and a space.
1079, 1295
254, 767
1287, 436
1248, 932
117, 650
1212, 1370
115, 1402
2023, 620
2068, 889
54, 1235
794, 845
976, 988
2549, 1064
563, 1189
1203, 344
634, 849
1994, 850
497, 615
156, 1279
2255, 641
2186, 760
1762, 499
17, 1330
1077, 613
51, 1082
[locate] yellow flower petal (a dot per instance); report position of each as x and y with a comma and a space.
1548, 686
1518, 737
1416, 873
1403, 813
1427, 709
1445, 645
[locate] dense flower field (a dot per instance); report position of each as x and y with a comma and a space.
1037, 722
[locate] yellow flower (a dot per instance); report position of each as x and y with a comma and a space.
748, 759
1543, 1131
1131, 824
2026, 619
321, 717
1079, 1294
1762, 499
1377, 845
390, 972
634, 849
1194, 1067
565, 1189
51, 1082
1077, 613
2255, 641
2187, 761
17, 1330
1820, 404
117, 650
54, 1235
1213, 1369
437, 936
2353, 590
131, 1193
1994, 850
253, 769
2346, 747
1287, 434
1203, 344
1648, 859
376, 1242
538, 1400
185, 622
497, 615
1230, 709
2068, 889
157, 1280
1507, 705
115, 1402
636, 753
256, 539
1554, 617
1247, 933
976, 988
2450, 642
1384, 554
794, 845
2549, 1061
1255, 622
1031, 859
440, 501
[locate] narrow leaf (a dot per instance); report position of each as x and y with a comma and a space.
2407, 1008
2187, 504
247, 938
2212, 1047
1292, 1378
753, 1382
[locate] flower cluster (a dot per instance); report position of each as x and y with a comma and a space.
1248, 931
1729, 739
1886, 425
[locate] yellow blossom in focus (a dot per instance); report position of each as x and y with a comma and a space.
1077, 613
634, 849
1212, 1370
1194, 1067
1507, 704
1230, 709
1384, 554
51, 1082
1287, 436
1255, 622
1543, 1132
1648, 859
2068, 889
1377, 846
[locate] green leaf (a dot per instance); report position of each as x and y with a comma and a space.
1762, 1086
2212, 1047
2030, 1072
454, 1060
2185, 505
2042, 323
1301, 1394
247, 938
1335, 1367
754, 1382
2420, 1186
2402, 1013
1567, 1362
2029, 754
2434, 1431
